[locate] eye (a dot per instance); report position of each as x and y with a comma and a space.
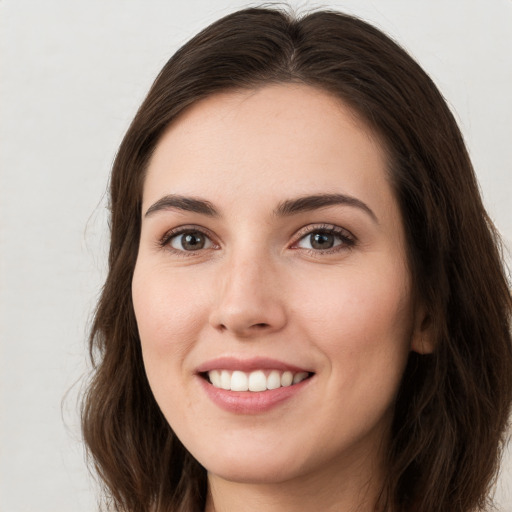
326, 239
190, 240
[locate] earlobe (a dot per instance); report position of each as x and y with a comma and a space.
422, 340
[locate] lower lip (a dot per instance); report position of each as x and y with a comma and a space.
251, 402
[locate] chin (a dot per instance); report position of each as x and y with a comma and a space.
251, 464
253, 471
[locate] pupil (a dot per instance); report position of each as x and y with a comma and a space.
322, 241
192, 241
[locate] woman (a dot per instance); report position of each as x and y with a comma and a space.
305, 307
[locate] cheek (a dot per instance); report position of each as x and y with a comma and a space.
358, 309
168, 318
362, 323
363, 326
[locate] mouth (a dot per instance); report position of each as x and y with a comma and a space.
255, 381
252, 386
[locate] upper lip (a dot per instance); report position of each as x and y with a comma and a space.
248, 365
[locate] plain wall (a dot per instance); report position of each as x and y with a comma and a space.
72, 76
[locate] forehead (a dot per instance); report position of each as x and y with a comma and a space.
277, 140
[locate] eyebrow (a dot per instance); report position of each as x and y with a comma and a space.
183, 203
286, 208
317, 201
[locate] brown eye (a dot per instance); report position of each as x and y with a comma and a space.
322, 240
190, 241
326, 239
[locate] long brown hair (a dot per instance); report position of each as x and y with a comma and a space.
453, 405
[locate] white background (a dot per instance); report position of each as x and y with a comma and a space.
72, 75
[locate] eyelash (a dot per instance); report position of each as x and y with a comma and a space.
164, 242
348, 241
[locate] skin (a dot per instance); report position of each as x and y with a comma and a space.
259, 288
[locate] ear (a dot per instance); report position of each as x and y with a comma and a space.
422, 340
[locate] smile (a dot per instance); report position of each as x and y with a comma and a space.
252, 386
254, 381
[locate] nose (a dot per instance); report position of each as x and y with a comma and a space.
249, 298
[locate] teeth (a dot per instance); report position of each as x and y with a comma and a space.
274, 380
215, 378
225, 380
239, 381
299, 377
287, 379
255, 381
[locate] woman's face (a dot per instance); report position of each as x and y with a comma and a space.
272, 252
